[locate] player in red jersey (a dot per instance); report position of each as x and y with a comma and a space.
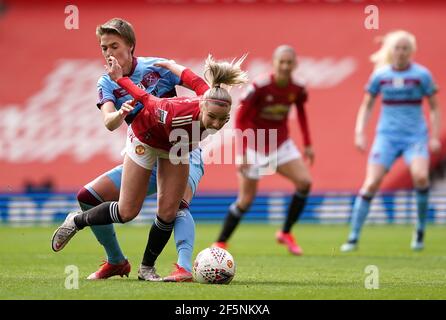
266, 106
163, 132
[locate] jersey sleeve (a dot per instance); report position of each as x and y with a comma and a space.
302, 116
428, 85
373, 86
105, 92
196, 83
246, 108
136, 92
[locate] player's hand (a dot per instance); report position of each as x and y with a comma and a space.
126, 108
309, 154
172, 66
114, 70
361, 142
435, 145
166, 64
242, 164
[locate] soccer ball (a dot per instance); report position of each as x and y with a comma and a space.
214, 265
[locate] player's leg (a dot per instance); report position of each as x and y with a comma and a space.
297, 172
133, 191
417, 157
104, 188
247, 181
184, 228
172, 181
381, 158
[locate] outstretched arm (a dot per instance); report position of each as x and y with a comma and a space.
188, 78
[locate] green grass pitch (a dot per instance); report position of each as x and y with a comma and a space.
265, 270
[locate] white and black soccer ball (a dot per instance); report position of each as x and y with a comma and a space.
214, 265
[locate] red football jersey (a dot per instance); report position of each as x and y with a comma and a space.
160, 116
266, 106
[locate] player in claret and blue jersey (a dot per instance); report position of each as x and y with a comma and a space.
401, 131
117, 40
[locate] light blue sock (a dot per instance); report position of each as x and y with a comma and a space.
360, 211
184, 234
422, 196
106, 236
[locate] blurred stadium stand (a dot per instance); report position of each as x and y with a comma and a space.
50, 126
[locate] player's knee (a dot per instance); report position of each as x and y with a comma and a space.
371, 186
421, 180
245, 202
127, 214
168, 213
304, 185
84, 196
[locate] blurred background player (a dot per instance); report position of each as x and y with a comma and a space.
117, 39
149, 139
266, 106
401, 131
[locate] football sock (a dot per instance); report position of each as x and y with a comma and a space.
295, 210
360, 211
158, 236
231, 222
105, 234
184, 235
105, 213
422, 196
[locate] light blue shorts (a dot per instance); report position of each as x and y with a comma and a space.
196, 171
386, 149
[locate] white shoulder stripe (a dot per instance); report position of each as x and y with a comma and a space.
181, 121
182, 117
178, 124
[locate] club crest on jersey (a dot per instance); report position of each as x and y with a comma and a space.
398, 82
140, 149
269, 98
162, 116
291, 97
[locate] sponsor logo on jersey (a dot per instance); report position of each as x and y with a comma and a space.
162, 116
398, 82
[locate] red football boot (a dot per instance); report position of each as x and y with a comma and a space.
108, 270
221, 244
179, 275
288, 240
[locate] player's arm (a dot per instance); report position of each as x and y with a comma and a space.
435, 118
188, 78
114, 71
113, 118
244, 114
303, 124
365, 110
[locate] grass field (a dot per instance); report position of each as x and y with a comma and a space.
30, 270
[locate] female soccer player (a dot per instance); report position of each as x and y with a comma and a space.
117, 39
163, 131
266, 106
401, 131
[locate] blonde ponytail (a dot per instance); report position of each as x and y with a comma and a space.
223, 73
